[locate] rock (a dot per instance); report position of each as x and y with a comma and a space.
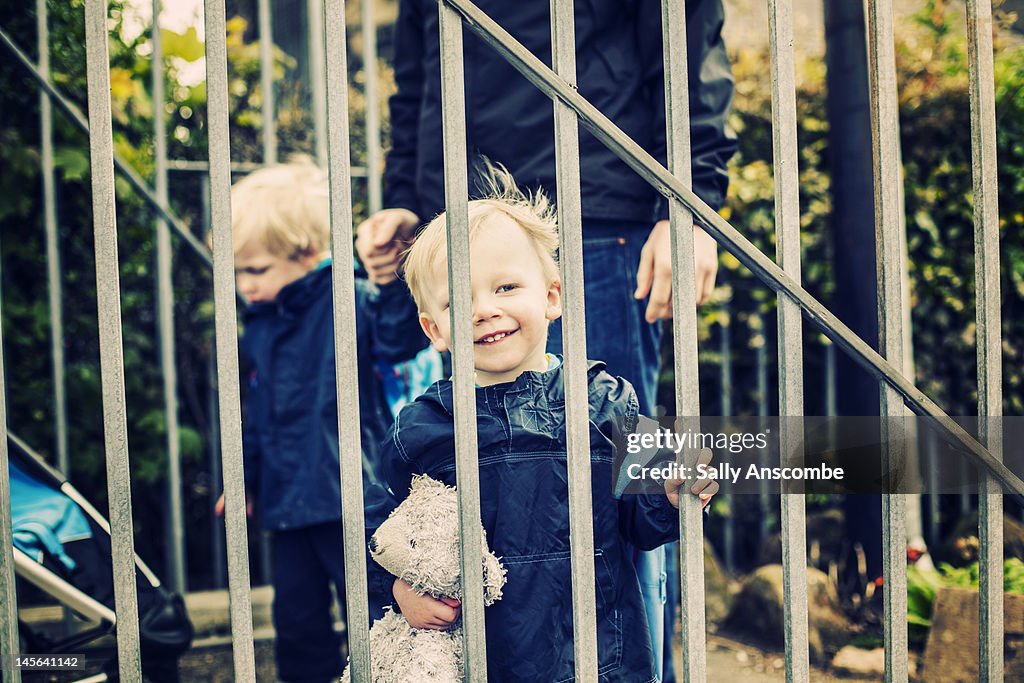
757, 612
718, 597
951, 654
853, 661
826, 539
961, 547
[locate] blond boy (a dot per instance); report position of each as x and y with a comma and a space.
281, 231
522, 454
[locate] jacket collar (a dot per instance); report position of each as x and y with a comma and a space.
547, 384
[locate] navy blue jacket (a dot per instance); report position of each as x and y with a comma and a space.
290, 435
524, 509
620, 70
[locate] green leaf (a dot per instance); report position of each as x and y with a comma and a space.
72, 162
185, 45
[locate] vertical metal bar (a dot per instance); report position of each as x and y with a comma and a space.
347, 370
225, 317
216, 481
790, 334
165, 321
990, 374
761, 362
831, 398
888, 224
456, 185
684, 328
931, 465
725, 391
115, 423
574, 344
370, 92
318, 79
725, 366
761, 356
53, 270
9, 641
269, 114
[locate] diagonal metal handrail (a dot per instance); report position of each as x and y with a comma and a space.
80, 120
725, 234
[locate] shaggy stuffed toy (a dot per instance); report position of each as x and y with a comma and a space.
419, 543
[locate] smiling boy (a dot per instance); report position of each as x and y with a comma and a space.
520, 405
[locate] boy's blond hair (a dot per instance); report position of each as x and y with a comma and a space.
533, 212
285, 207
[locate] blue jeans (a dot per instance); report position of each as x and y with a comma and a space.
618, 335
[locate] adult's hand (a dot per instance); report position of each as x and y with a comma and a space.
380, 240
654, 276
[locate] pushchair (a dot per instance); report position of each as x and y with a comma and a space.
62, 546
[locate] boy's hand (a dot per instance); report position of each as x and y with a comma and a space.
380, 240
218, 507
704, 488
423, 611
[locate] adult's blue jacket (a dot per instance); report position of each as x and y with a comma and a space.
524, 508
619, 64
290, 435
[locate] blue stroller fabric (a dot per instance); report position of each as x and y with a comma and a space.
43, 518
403, 382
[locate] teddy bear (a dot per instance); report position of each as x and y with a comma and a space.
419, 543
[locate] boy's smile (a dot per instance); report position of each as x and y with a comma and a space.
513, 302
494, 337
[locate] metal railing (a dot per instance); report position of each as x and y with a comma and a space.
571, 109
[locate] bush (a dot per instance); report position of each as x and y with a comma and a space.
935, 120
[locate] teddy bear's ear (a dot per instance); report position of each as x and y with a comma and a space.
422, 482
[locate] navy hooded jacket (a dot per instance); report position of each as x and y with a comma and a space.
620, 70
524, 509
290, 433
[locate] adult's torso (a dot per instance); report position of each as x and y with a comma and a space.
511, 121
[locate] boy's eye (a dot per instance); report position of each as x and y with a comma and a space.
253, 271
507, 288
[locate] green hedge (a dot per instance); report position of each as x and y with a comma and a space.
935, 132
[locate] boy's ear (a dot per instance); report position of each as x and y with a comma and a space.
554, 304
309, 259
433, 332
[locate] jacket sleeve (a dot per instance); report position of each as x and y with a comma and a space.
395, 324
710, 81
378, 504
251, 455
401, 161
647, 520
397, 468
